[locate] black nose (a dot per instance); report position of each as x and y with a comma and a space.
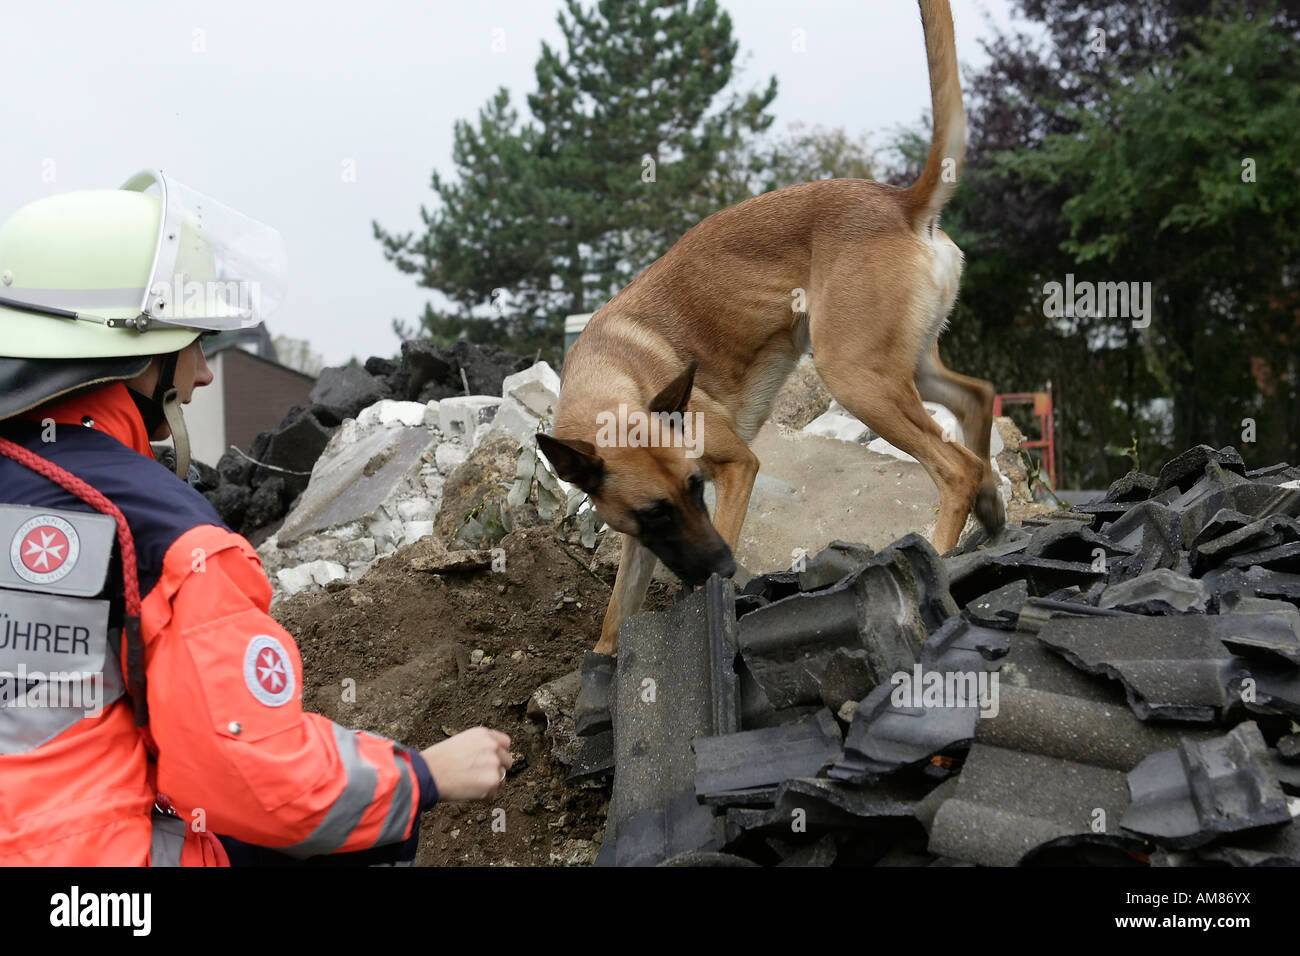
726, 568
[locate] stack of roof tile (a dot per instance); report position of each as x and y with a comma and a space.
1116, 684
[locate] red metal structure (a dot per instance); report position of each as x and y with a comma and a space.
1042, 402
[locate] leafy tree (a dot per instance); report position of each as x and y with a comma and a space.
1118, 156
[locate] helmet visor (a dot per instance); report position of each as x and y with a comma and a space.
214, 268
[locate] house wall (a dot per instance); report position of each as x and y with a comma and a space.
258, 394
205, 416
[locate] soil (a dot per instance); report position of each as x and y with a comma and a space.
408, 638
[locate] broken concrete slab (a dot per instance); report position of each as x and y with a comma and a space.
1188, 796
303, 576
536, 388
517, 421
435, 560
351, 481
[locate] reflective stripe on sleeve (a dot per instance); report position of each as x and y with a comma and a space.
399, 810
347, 811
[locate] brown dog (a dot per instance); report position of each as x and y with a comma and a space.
705, 337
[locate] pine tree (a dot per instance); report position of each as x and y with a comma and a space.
625, 151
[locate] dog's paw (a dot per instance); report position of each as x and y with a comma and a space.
989, 510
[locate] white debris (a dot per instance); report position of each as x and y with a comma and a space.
431, 419
460, 417
946, 421
410, 414
303, 576
536, 389
517, 421
415, 530
448, 455
837, 422
415, 509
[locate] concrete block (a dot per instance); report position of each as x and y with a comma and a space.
516, 420
536, 389
460, 417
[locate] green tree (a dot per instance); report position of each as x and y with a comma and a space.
625, 151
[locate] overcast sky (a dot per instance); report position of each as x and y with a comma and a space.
318, 117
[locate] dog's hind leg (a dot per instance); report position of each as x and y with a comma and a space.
881, 393
971, 400
635, 568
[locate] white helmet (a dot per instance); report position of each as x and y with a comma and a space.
93, 284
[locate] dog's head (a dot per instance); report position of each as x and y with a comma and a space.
646, 482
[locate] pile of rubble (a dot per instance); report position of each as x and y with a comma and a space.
1115, 684
254, 489
381, 478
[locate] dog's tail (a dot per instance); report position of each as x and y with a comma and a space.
948, 141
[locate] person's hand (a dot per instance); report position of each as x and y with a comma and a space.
471, 765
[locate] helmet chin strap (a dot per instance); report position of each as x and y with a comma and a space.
180, 437
164, 405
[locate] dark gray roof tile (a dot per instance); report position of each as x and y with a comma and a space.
1008, 806
1192, 794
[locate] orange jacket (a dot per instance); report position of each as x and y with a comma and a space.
228, 742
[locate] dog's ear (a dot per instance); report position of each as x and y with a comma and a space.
677, 394
574, 461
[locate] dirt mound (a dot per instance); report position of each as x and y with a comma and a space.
418, 656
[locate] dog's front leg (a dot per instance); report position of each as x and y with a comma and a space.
635, 568
734, 469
